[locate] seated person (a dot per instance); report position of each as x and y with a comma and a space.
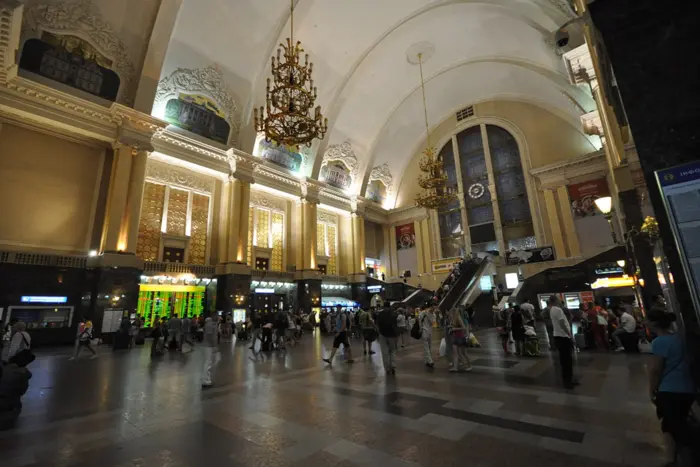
627, 325
14, 382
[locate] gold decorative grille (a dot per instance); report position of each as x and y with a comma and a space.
148, 241
177, 212
249, 260
332, 253
320, 239
277, 241
200, 225
262, 228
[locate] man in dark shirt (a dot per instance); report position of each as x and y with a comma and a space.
388, 329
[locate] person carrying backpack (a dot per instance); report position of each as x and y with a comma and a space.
388, 330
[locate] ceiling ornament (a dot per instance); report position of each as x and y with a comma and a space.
382, 174
261, 201
167, 174
286, 119
208, 81
436, 193
344, 154
80, 18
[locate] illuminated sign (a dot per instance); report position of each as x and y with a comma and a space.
264, 290
40, 299
512, 280
374, 288
604, 282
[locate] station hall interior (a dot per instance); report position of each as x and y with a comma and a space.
238, 158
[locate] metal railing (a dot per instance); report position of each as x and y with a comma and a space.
43, 259
198, 270
263, 274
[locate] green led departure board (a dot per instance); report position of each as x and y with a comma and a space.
163, 301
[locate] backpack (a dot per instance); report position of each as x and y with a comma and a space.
416, 330
25, 356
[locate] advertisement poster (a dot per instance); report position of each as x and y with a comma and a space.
532, 255
583, 196
405, 236
445, 265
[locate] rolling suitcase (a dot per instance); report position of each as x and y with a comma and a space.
581, 340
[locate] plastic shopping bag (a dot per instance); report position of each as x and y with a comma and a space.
443, 348
473, 341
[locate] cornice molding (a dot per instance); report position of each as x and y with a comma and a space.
558, 174
10, 27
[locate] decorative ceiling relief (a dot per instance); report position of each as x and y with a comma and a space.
167, 174
383, 174
260, 200
75, 21
198, 100
339, 167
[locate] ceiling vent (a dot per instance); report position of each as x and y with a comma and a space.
465, 113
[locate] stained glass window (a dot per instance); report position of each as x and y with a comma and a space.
200, 221
321, 239
148, 242
332, 268
177, 212
277, 241
262, 228
251, 228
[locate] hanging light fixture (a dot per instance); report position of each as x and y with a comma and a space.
436, 193
291, 95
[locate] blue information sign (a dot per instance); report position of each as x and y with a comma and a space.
680, 174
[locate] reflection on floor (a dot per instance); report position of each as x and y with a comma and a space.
289, 410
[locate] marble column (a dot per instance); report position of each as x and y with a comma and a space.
555, 225
113, 240
358, 250
135, 199
419, 246
567, 219
239, 206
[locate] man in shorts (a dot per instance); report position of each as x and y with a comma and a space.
341, 337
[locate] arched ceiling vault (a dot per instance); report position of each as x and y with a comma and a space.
366, 87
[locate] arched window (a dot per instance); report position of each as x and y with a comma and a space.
450, 216
513, 204
486, 153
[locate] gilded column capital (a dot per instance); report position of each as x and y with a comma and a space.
241, 167
310, 190
127, 137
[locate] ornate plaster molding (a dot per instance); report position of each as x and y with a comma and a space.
167, 174
193, 146
326, 217
80, 18
383, 174
344, 154
310, 190
241, 167
262, 200
592, 124
208, 81
10, 25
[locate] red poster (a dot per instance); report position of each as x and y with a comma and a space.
583, 196
405, 236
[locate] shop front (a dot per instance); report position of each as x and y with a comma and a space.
269, 297
48, 300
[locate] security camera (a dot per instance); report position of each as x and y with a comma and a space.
561, 37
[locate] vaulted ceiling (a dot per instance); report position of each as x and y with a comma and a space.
483, 49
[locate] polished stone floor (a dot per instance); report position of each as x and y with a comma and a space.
287, 409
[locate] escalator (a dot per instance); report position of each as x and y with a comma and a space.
468, 287
469, 272
417, 298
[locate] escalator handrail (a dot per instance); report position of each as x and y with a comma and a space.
441, 305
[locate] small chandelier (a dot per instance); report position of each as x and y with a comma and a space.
287, 118
436, 194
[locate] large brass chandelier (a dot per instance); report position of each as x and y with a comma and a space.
287, 118
436, 193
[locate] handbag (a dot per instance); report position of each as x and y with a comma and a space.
25, 356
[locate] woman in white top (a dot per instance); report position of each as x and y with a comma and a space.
20, 339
